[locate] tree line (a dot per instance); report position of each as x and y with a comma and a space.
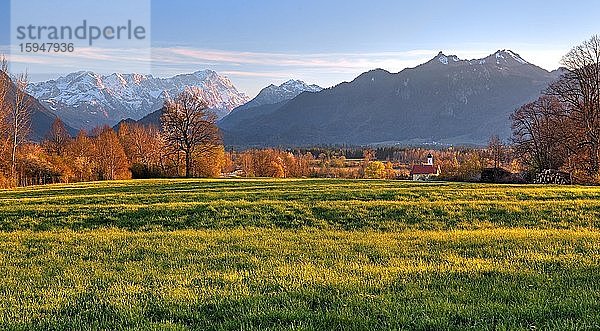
188, 143
558, 131
561, 129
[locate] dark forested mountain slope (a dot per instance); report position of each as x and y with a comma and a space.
445, 100
41, 118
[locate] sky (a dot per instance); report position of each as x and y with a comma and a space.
259, 42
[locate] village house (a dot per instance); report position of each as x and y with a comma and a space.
425, 171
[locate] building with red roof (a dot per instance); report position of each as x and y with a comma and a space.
426, 171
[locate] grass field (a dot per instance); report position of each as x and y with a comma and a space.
299, 254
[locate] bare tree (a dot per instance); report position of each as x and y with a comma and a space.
579, 91
189, 127
19, 118
4, 82
497, 150
542, 134
144, 147
5, 86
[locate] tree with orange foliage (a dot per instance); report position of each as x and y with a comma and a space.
246, 163
209, 163
390, 173
143, 145
57, 138
81, 155
276, 169
35, 167
110, 156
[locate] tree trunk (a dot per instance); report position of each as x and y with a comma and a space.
13, 165
188, 163
594, 167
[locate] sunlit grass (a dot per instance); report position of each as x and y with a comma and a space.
299, 254
325, 204
308, 278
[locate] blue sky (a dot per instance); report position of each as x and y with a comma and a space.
259, 42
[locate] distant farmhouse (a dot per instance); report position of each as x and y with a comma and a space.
426, 171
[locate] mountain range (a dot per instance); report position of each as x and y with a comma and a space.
265, 99
85, 99
446, 100
273, 94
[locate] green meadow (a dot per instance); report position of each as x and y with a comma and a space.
299, 255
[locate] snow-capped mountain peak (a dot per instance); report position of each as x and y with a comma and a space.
444, 59
294, 86
501, 59
86, 99
506, 58
273, 94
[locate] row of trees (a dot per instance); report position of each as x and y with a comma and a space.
463, 164
561, 130
134, 151
272, 163
188, 143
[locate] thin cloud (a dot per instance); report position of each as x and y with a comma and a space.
276, 75
335, 61
251, 70
180, 56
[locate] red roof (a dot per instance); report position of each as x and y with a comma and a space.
424, 169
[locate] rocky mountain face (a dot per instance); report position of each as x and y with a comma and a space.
445, 100
41, 119
273, 94
268, 99
85, 99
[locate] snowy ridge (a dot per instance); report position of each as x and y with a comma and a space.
515, 56
502, 58
445, 59
273, 94
506, 58
85, 99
